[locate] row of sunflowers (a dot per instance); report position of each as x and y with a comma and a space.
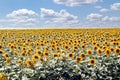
60, 54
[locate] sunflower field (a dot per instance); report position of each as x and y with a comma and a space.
60, 54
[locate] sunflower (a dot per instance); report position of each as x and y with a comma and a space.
82, 56
6, 56
1, 52
89, 52
7, 61
29, 63
78, 59
107, 52
95, 48
35, 57
39, 52
117, 51
41, 60
46, 54
92, 62
15, 54
1, 46
3, 77
23, 54
71, 55
21, 63
99, 51
55, 55
83, 46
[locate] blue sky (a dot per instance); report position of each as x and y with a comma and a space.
59, 13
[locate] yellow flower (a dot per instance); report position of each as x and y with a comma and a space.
6, 55
99, 51
118, 51
78, 59
46, 54
23, 54
7, 61
1, 46
89, 52
3, 77
82, 56
39, 52
15, 54
107, 52
1, 52
70, 55
35, 57
29, 63
92, 62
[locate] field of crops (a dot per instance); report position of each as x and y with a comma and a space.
60, 54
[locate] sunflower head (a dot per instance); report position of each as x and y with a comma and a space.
89, 52
35, 57
99, 51
92, 62
29, 63
1, 46
78, 59
6, 56
107, 52
71, 55
117, 51
82, 56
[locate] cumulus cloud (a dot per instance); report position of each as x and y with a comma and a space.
22, 17
61, 17
111, 19
115, 6
75, 2
104, 10
99, 17
94, 17
98, 20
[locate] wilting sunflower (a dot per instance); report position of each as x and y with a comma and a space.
92, 62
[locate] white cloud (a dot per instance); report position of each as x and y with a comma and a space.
104, 10
98, 20
22, 17
111, 19
58, 18
94, 17
75, 2
115, 6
